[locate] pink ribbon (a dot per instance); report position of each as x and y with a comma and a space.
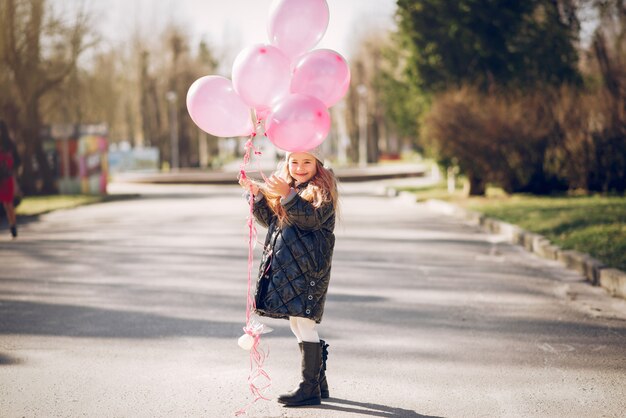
257, 355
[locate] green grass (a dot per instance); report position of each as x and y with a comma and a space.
37, 205
591, 224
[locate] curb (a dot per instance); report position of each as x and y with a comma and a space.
344, 174
614, 281
593, 270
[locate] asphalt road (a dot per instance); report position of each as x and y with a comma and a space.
133, 309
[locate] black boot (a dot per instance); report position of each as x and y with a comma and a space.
13, 231
324, 393
323, 383
308, 391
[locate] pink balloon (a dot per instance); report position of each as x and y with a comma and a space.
323, 74
216, 108
262, 112
298, 123
261, 75
295, 26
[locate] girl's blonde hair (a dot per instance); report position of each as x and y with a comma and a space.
322, 189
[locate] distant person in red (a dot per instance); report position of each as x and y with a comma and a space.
9, 162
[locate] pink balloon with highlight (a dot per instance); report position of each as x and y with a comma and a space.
298, 123
215, 107
323, 74
262, 112
296, 26
261, 75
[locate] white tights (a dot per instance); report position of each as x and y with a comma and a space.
304, 329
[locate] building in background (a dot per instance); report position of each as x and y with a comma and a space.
80, 157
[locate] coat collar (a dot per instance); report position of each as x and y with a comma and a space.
302, 186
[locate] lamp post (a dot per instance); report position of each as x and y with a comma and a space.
172, 98
343, 139
362, 92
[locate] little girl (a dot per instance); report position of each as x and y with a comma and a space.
297, 204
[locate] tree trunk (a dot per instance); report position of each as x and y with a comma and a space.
477, 184
39, 177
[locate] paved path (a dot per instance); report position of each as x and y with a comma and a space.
228, 175
133, 308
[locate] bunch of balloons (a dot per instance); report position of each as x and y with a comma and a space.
289, 87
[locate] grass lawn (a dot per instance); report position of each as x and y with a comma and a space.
37, 205
591, 224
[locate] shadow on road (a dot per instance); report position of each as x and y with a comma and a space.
34, 318
6, 360
370, 409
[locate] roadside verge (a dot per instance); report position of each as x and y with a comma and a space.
595, 271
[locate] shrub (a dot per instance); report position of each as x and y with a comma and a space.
539, 142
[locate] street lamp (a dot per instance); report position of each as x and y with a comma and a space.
362, 92
343, 139
172, 98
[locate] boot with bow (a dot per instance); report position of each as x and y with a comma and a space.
308, 391
324, 393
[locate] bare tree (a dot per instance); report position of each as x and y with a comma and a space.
39, 51
366, 67
168, 64
609, 47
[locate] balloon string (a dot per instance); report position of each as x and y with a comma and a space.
257, 355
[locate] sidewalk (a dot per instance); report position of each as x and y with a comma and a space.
229, 175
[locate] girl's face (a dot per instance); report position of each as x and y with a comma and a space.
302, 166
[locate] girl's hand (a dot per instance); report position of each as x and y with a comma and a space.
278, 186
249, 185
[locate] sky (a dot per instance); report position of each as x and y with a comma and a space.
231, 25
